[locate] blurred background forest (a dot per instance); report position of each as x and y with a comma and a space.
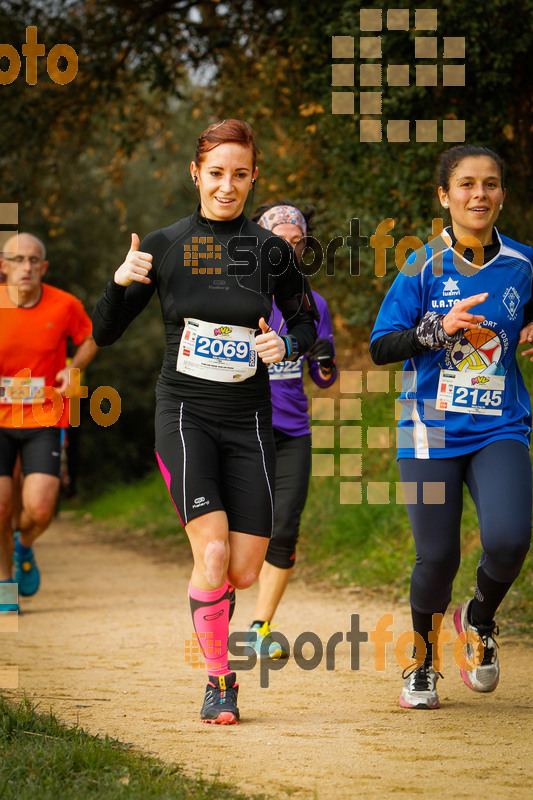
90, 161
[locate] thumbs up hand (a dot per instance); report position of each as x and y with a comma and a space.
136, 265
264, 326
270, 347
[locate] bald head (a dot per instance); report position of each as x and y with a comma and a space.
21, 241
23, 262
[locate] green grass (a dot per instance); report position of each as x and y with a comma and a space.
145, 507
364, 544
41, 759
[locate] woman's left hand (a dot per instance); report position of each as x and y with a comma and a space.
526, 337
270, 347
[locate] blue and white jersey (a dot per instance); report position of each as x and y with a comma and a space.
424, 430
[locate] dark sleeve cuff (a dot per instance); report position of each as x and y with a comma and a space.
114, 291
292, 350
396, 346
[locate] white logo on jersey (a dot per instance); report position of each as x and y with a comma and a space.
450, 288
511, 300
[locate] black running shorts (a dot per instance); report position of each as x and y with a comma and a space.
213, 462
39, 448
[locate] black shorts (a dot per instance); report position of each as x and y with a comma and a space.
39, 448
213, 462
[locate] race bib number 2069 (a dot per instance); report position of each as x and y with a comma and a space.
217, 352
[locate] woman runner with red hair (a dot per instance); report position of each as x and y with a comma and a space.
216, 273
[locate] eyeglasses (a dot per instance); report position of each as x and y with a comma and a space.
22, 260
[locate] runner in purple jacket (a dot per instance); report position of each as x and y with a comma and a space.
292, 434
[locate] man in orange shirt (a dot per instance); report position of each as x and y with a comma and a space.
35, 321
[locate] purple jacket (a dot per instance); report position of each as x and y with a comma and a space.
289, 401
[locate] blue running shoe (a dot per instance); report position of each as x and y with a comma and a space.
8, 596
260, 639
26, 570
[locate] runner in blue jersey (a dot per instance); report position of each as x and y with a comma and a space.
456, 316
292, 434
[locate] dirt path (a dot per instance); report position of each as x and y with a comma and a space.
103, 644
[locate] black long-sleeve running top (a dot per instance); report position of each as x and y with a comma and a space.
239, 267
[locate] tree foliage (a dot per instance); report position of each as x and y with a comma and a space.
318, 155
108, 153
